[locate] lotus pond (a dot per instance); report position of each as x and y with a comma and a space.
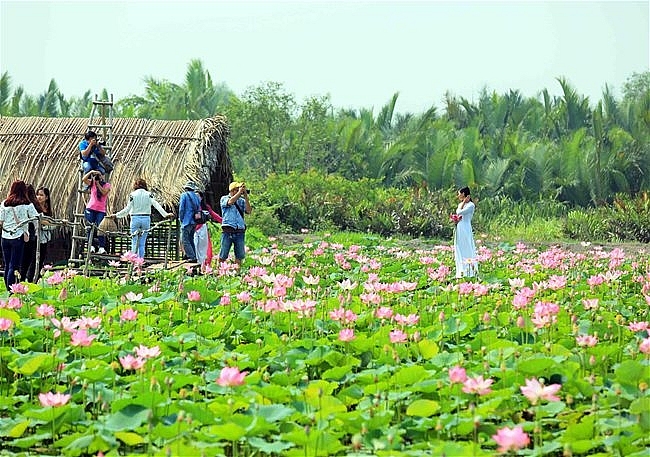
328, 348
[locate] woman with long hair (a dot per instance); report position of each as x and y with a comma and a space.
28, 262
15, 213
45, 209
464, 246
139, 207
96, 207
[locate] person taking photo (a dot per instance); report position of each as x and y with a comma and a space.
233, 226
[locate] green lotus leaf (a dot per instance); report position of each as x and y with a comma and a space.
13, 428
337, 373
536, 366
29, 441
273, 413
273, 447
409, 375
228, 431
129, 438
631, 372
46, 414
428, 348
423, 408
29, 364
128, 418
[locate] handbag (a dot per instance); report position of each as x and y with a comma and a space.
203, 216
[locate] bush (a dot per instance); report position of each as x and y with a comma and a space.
318, 202
626, 219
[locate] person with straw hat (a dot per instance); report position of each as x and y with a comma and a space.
188, 206
233, 227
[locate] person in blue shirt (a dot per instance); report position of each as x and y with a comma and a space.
233, 227
188, 206
90, 151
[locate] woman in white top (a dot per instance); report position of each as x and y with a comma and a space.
15, 213
464, 247
139, 207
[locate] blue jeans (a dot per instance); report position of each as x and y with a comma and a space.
187, 237
139, 231
93, 164
12, 254
95, 217
227, 240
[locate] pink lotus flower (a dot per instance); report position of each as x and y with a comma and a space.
638, 326
244, 296
5, 324
224, 300
55, 279
590, 303
384, 312
398, 336
144, 352
536, 391
19, 288
53, 399
346, 335
477, 385
457, 375
65, 324
45, 310
194, 295
511, 439
89, 322
129, 362
128, 314
586, 340
231, 376
455, 218
644, 346
556, 282
81, 338
14, 303
411, 319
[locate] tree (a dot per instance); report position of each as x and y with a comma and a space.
262, 123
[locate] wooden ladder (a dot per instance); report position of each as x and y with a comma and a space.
101, 122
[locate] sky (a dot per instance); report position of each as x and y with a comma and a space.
359, 53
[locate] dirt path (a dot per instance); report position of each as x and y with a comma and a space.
630, 248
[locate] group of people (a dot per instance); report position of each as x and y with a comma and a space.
19, 215
24, 203
195, 236
194, 233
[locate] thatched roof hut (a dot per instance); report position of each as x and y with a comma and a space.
44, 151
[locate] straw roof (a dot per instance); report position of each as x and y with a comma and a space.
45, 152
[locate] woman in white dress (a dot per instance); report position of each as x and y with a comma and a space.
464, 247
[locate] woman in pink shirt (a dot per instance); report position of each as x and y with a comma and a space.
96, 207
